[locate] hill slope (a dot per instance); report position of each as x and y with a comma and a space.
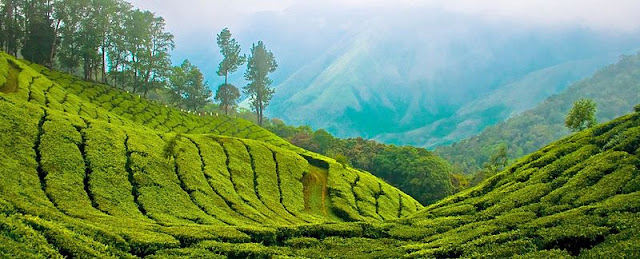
615, 88
79, 186
89, 170
579, 196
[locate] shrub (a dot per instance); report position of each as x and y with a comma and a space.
342, 159
302, 242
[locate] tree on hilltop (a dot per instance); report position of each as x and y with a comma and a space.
227, 94
582, 115
260, 64
188, 87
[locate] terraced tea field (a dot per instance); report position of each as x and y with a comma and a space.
153, 176
88, 170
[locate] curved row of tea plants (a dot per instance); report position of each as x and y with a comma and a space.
578, 197
79, 180
93, 171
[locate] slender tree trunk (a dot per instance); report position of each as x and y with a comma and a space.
12, 45
115, 78
86, 69
259, 110
135, 74
54, 45
227, 105
104, 65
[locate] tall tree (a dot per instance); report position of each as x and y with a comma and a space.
40, 31
188, 88
71, 13
11, 28
582, 115
107, 21
117, 47
158, 62
259, 65
147, 61
227, 94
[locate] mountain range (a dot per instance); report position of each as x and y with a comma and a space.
432, 78
615, 89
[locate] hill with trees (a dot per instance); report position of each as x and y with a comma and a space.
416, 171
615, 90
92, 171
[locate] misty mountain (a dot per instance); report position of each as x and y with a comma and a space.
428, 77
418, 76
502, 103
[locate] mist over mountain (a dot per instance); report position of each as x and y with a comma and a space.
425, 74
417, 76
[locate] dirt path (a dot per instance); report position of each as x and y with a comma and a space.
315, 190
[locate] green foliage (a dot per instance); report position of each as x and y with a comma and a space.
79, 179
228, 94
418, 172
582, 115
230, 50
39, 40
21, 240
459, 182
187, 87
342, 159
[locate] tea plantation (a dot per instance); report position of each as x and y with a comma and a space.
91, 171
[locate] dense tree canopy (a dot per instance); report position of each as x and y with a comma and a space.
188, 89
96, 39
109, 41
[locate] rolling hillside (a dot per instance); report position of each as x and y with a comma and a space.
82, 176
89, 170
615, 89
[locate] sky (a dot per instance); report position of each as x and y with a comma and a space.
188, 16
194, 23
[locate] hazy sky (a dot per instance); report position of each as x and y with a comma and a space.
186, 16
195, 22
